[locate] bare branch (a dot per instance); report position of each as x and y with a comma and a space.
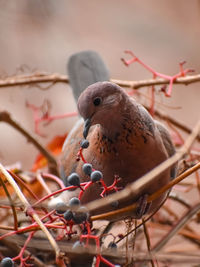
183, 220
119, 257
27, 207
34, 78
41, 77
174, 122
5, 117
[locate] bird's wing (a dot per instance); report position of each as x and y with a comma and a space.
168, 145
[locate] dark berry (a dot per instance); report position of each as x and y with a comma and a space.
81, 215
61, 207
7, 262
65, 181
74, 201
87, 168
77, 245
112, 245
68, 215
85, 143
114, 204
96, 176
74, 179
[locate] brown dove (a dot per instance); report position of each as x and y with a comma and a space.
124, 141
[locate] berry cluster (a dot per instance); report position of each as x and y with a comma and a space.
70, 213
76, 213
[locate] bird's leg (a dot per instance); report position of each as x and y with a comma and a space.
142, 207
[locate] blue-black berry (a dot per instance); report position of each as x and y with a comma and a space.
68, 215
81, 215
96, 176
112, 245
77, 245
115, 204
61, 207
74, 179
84, 143
7, 262
87, 168
74, 201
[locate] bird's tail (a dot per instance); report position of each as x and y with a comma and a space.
85, 68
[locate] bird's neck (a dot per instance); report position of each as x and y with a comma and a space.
120, 119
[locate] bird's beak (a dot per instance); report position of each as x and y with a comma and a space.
87, 125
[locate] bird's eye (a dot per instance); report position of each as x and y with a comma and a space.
97, 101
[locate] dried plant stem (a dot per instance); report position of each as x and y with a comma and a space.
178, 198
8, 177
119, 257
11, 204
34, 78
187, 233
13, 246
40, 77
174, 122
53, 78
143, 83
43, 184
10, 228
175, 181
5, 117
146, 233
151, 197
134, 188
184, 219
28, 209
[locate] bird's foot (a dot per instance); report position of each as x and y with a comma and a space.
142, 207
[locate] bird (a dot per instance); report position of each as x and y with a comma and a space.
124, 140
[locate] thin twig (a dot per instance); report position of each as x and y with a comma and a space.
151, 197
135, 187
147, 240
15, 247
178, 198
43, 184
187, 233
150, 82
40, 77
28, 209
174, 122
184, 219
5, 117
119, 257
34, 78
11, 204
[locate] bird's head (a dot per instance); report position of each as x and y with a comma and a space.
98, 103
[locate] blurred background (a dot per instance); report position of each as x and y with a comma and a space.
41, 35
